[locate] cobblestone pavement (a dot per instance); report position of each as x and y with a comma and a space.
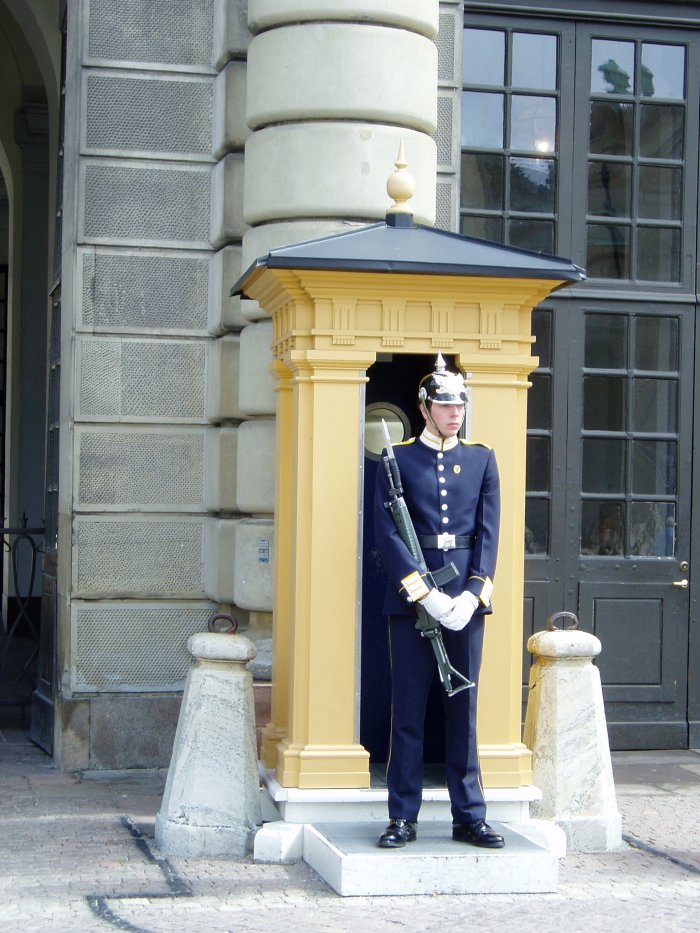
77, 855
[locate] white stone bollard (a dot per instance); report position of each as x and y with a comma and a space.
566, 730
211, 804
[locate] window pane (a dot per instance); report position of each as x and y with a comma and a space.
533, 123
656, 344
532, 185
375, 419
654, 467
612, 128
660, 192
612, 66
482, 120
658, 254
653, 529
663, 71
604, 403
482, 228
603, 465
539, 402
537, 235
609, 189
655, 406
606, 341
537, 470
602, 527
542, 332
661, 131
483, 57
534, 61
607, 251
482, 181
536, 526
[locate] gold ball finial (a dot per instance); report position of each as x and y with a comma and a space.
400, 186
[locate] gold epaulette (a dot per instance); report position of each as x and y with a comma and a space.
474, 444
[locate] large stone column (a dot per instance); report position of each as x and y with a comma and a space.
332, 87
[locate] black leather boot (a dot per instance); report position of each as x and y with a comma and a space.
477, 833
397, 834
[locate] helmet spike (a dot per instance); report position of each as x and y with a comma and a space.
442, 386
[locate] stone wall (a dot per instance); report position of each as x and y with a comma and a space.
151, 366
198, 136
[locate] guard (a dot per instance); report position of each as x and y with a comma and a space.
451, 488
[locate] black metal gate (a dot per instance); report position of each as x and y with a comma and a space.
42, 722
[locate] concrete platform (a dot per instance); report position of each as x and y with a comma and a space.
346, 856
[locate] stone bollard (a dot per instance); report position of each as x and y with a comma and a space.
211, 804
565, 729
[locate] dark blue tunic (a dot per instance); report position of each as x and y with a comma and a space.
455, 491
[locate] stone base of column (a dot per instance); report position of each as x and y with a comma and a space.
566, 729
506, 765
196, 841
270, 738
322, 766
600, 833
211, 804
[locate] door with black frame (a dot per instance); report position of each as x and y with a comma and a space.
581, 138
608, 510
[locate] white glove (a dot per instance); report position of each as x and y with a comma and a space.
437, 604
462, 610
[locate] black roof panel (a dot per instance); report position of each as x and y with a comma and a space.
385, 247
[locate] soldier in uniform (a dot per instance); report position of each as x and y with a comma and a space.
451, 488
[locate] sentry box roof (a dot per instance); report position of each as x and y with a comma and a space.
400, 246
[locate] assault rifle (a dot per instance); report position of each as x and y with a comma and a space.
426, 624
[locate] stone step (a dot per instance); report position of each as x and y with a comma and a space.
347, 857
308, 805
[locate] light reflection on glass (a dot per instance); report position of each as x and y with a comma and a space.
653, 529
534, 61
532, 185
483, 57
663, 71
482, 120
602, 527
612, 67
532, 119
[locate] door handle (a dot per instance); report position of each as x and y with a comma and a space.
682, 583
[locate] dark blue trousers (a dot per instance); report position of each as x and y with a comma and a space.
413, 668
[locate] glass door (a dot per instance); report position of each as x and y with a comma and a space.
581, 138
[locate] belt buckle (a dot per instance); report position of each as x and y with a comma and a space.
446, 542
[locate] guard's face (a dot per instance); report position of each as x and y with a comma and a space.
448, 418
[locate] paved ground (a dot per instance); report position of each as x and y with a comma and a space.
76, 855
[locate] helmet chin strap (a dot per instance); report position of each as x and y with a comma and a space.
432, 421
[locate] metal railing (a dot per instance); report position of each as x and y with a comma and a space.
21, 676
